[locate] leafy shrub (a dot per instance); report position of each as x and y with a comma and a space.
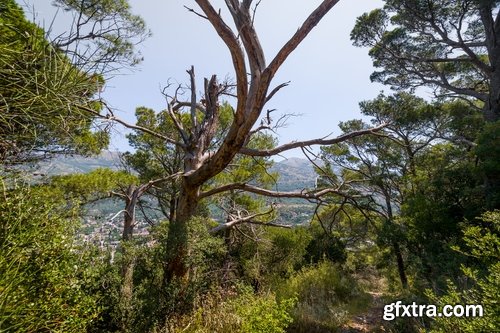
277, 254
482, 243
326, 295
263, 314
153, 301
44, 277
206, 253
236, 311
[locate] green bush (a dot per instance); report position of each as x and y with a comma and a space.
326, 295
276, 255
235, 311
153, 301
482, 243
44, 277
263, 314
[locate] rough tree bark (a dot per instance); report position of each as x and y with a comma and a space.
491, 25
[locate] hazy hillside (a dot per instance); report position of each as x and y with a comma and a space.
295, 174
76, 164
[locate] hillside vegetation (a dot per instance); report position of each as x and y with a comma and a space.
198, 229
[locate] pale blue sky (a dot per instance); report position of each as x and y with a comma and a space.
329, 76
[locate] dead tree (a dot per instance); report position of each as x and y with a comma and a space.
202, 159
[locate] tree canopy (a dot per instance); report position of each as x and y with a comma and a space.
54, 84
184, 237
449, 46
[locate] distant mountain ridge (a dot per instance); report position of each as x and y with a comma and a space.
64, 165
295, 173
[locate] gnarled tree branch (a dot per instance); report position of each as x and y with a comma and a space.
300, 144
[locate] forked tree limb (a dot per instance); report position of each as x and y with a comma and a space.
266, 224
141, 189
251, 98
248, 35
231, 41
239, 220
249, 219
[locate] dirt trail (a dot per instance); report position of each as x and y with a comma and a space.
368, 321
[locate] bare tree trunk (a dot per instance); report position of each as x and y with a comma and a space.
492, 33
129, 214
173, 208
127, 289
177, 240
401, 265
395, 244
491, 108
128, 259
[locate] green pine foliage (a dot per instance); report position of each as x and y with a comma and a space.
413, 215
45, 277
39, 85
482, 243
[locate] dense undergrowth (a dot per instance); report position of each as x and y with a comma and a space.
408, 211
224, 293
